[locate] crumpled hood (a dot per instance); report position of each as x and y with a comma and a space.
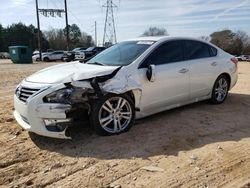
67, 72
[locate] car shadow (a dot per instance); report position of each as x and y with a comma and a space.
167, 133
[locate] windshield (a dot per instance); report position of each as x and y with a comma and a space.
76, 49
90, 48
122, 53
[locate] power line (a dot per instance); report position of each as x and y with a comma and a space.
53, 13
75, 17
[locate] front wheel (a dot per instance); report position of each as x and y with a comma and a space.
220, 90
113, 114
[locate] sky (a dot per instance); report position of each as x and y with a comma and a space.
179, 17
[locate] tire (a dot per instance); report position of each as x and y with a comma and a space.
105, 114
46, 59
220, 90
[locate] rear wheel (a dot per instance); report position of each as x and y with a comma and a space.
220, 90
46, 59
113, 114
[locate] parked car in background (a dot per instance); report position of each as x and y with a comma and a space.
132, 79
92, 51
243, 57
36, 57
4, 55
70, 55
80, 55
248, 58
35, 52
79, 49
53, 56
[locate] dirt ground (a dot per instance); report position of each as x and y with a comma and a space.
199, 145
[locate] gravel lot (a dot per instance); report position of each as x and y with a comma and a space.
199, 145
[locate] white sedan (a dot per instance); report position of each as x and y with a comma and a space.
53, 56
129, 80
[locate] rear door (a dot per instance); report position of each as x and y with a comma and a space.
204, 67
58, 55
53, 56
171, 85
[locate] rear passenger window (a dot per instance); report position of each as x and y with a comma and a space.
169, 52
213, 51
197, 50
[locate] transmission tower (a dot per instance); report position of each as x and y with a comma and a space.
109, 37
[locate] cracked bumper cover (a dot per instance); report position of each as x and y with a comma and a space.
32, 116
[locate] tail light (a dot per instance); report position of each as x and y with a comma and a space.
235, 61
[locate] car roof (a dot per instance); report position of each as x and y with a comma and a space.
164, 38
168, 38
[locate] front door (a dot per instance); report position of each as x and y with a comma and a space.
171, 85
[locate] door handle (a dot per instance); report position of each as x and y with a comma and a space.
183, 71
214, 64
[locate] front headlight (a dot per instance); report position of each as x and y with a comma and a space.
59, 96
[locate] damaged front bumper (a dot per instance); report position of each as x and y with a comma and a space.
46, 119
49, 111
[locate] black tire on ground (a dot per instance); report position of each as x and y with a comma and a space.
216, 99
97, 111
46, 59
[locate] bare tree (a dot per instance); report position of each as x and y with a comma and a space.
155, 31
228, 41
56, 39
243, 36
206, 38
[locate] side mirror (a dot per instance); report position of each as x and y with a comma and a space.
151, 73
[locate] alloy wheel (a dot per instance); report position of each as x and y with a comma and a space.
115, 115
221, 89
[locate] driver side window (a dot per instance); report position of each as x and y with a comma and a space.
169, 52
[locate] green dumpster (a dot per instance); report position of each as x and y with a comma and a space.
20, 54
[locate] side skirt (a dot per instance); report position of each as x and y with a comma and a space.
143, 114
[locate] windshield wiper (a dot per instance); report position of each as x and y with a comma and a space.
97, 63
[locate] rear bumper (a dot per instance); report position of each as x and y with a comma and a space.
234, 78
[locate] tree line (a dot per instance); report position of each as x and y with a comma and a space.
236, 43
20, 34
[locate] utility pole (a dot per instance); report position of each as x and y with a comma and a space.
53, 13
95, 34
38, 32
109, 37
67, 25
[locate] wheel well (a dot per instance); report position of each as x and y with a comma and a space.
131, 95
228, 77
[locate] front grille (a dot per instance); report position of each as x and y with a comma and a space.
23, 93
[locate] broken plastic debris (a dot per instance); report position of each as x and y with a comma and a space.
152, 169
